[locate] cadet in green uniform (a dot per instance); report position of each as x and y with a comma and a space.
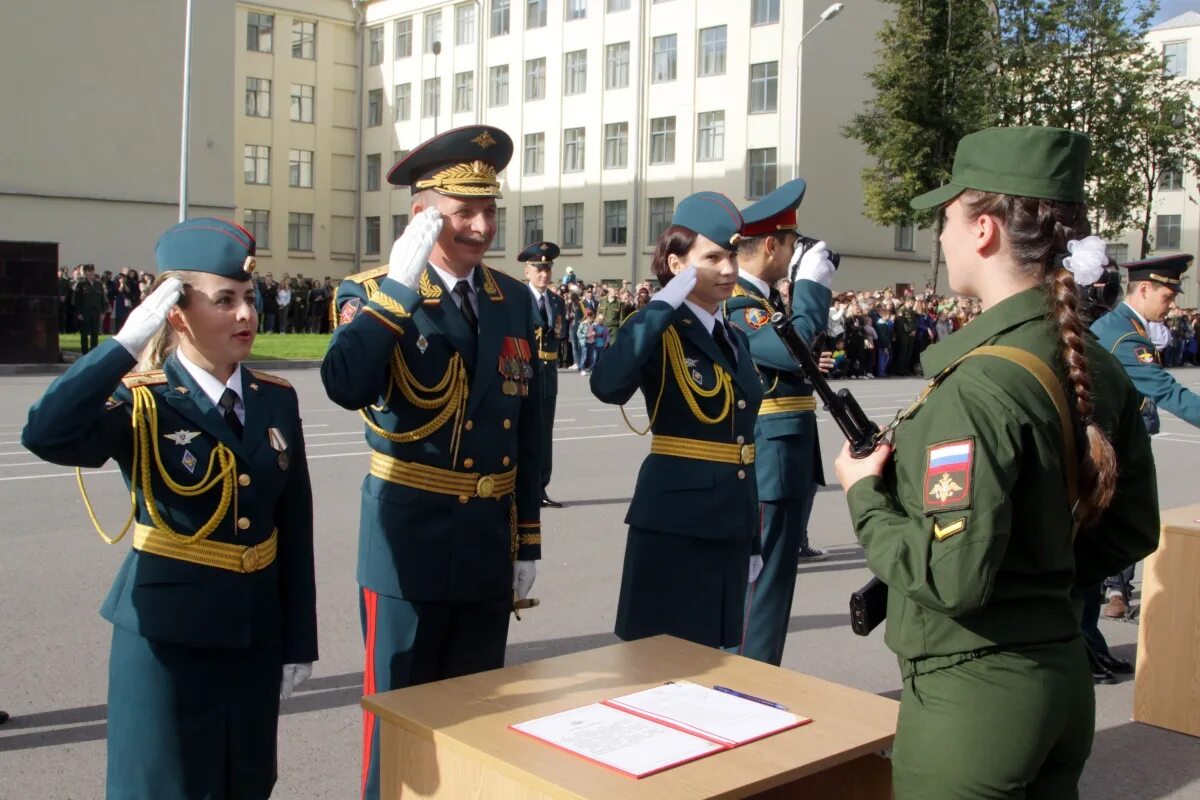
787, 453
548, 313
214, 608
436, 351
89, 301
904, 339
971, 523
693, 522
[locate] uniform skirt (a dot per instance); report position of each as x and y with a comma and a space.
691, 588
189, 723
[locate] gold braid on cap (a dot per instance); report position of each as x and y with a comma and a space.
470, 178
1154, 276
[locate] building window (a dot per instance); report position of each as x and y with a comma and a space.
616, 5
710, 136
1119, 253
375, 39
535, 151
300, 169
498, 86
304, 39
535, 79
576, 67
616, 66
258, 222
535, 14
404, 38
572, 225
464, 24
764, 12
431, 97
256, 159
712, 51
399, 224
614, 223
1171, 178
764, 87
761, 175
300, 229
662, 140
374, 169
302, 103
464, 91
573, 142
1175, 56
403, 102
665, 59
500, 17
374, 107
371, 244
433, 29
1166, 231
904, 238
616, 145
531, 224
661, 211
258, 32
258, 97
498, 241
575, 9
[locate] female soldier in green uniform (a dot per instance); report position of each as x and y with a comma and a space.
694, 516
971, 523
214, 607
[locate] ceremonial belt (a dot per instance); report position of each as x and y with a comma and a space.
701, 450
442, 481
780, 405
547, 356
206, 552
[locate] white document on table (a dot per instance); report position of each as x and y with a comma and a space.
614, 738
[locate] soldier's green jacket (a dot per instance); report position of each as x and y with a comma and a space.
1121, 333
88, 297
788, 457
986, 560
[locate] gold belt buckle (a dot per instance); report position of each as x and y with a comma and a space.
746, 454
485, 486
250, 559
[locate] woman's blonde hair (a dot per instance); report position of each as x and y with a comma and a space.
165, 339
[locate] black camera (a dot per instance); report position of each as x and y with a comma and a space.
806, 243
1102, 296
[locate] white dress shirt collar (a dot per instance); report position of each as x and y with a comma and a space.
1145, 324
213, 388
707, 319
758, 282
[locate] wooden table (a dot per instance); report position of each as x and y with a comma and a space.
450, 739
1167, 688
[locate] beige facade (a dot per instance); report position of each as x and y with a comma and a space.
619, 109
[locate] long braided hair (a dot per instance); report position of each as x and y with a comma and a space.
1038, 231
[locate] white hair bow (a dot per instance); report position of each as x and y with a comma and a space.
1088, 258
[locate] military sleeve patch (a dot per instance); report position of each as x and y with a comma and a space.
757, 318
350, 310
1144, 354
948, 471
942, 533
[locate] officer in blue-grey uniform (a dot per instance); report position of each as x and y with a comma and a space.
693, 524
214, 607
788, 454
549, 313
1153, 285
437, 353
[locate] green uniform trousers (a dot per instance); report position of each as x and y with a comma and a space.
89, 332
1009, 724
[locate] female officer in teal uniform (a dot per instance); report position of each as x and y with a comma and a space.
213, 609
693, 522
971, 523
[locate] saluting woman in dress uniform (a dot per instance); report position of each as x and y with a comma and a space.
969, 520
693, 535
213, 609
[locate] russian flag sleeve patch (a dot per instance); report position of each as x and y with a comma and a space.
948, 473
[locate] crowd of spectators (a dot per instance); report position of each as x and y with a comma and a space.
292, 304
118, 295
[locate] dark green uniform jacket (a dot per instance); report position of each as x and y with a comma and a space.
547, 362
89, 297
970, 526
479, 413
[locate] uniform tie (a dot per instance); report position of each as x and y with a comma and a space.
720, 336
544, 310
228, 400
463, 290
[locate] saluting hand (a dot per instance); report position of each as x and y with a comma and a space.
146, 320
678, 288
814, 264
410, 253
851, 470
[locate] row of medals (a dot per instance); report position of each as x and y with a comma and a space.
516, 374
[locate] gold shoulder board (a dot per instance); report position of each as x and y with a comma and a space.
269, 378
152, 378
363, 277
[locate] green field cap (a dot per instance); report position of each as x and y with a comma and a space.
1048, 163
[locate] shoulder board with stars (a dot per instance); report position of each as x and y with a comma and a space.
152, 378
267, 377
370, 274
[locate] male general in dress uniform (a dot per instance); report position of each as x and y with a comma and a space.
1124, 331
89, 298
548, 313
437, 352
789, 456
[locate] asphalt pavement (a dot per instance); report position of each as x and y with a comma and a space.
55, 572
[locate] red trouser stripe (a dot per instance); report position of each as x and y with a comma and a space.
370, 601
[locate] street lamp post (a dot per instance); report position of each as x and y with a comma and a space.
187, 107
827, 14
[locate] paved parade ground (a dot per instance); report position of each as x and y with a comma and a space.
56, 571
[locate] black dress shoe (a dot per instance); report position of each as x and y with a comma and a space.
1113, 664
548, 503
3, 717
1100, 673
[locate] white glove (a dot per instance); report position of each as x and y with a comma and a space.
814, 265
756, 565
678, 288
410, 253
293, 676
146, 320
524, 573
